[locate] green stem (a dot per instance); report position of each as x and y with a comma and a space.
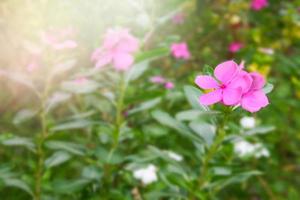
213, 149
40, 141
119, 116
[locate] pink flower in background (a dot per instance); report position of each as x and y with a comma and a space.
235, 47
32, 66
258, 4
59, 39
180, 50
255, 99
169, 85
80, 80
117, 48
230, 87
178, 18
157, 79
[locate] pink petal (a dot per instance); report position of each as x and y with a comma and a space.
122, 61
128, 44
254, 101
258, 81
211, 97
169, 85
103, 59
242, 80
226, 71
206, 82
232, 96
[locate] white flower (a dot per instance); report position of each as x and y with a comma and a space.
146, 175
247, 122
174, 156
243, 148
268, 51
261, 151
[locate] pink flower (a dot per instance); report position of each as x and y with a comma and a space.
32, 66
157, 79
178, 18
235, 86
235, 47
59, 39
80, 80
232, 83
169, 85
258, 4
180, 50
255, 98
117, 48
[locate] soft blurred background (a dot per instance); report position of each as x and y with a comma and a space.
266, 39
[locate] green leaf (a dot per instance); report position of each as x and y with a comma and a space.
19, 141
259, 130
237, 178
208, 70
57, 158
190, 115
23, 115
85, 87
64, 66
12, 182
19, 78
69, 186
57, 98
268, 88
70, 147
165, 119
192, 94
142, 62
145, 105
152, 54
205, 130
221, 171
77, 124
136, 71
91, 172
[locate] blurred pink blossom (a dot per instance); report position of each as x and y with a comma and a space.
180, 50
169, 85
157, 79
178, 18
59, 39
33, 65
80, 80
258, 4
235, 47
117, 48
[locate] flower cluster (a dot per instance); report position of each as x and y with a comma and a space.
117, 48
234, 86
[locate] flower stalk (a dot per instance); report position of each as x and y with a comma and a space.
213, 149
